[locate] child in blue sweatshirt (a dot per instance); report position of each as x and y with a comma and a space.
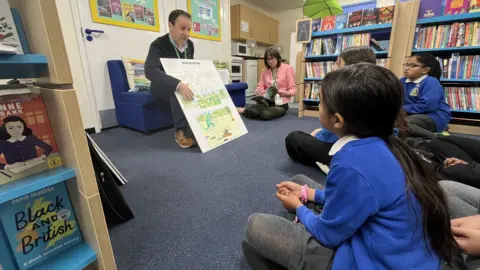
424, 95
380, 208
311, 148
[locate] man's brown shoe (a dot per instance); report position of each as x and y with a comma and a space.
182, 140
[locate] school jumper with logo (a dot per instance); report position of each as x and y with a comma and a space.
367, 214
426, 96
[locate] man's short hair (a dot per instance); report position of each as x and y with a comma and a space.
177, 13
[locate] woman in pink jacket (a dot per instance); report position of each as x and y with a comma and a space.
275, 88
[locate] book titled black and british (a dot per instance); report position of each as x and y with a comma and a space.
39, 225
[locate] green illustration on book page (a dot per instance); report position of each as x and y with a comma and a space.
212, 116
208, 93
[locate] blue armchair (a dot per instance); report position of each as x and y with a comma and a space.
136, 110
141, 111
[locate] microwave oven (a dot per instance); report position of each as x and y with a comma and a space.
239, 49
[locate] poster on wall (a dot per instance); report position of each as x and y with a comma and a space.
212, 116
206, 19
137, 14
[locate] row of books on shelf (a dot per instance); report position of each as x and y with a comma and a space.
447, 36
433, 8
320, 69
333, 46
460, 67
463, 98
354, 19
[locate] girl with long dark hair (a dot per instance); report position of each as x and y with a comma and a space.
381, 209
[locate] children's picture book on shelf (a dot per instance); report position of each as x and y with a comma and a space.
40, 225
474, 6
355, 18
316, 25
385, 14
456, 7
429, 8
27, 143
341, 21
370, 16
8, 30
328, 23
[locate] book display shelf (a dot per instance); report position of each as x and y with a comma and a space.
373, 27
454, 40
64, 199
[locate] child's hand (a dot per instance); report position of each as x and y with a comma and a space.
289, 201
471, 222
449, 162
291, 187
468, 240
314, 133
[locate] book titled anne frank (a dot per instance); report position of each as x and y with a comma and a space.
27, 143
40, 225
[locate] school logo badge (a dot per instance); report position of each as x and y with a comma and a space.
414, 92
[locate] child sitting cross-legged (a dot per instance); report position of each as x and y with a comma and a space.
381, 210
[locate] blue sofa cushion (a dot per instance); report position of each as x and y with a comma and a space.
140, 98
241, 86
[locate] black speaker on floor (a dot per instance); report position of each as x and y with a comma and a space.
115, 207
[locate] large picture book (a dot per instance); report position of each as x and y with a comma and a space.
27, 143
212, 116
40, 225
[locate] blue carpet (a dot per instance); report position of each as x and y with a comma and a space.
191, 208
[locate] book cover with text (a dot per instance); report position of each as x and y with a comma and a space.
27, 142
40, 225
429, 8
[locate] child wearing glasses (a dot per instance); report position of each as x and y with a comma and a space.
424, 95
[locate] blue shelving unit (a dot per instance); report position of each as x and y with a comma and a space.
334, 57
450, 19
311, 100
465, 111
21, 66
459, 81
354, 30
33, 183
452, 49
74, 258
312, 79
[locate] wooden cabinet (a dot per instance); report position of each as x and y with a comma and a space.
249, 23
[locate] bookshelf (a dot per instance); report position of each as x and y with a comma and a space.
459, 59
22, 66
49, 69
392, 57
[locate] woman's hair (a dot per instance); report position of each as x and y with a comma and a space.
4, 133
272, 52
369, 98
429, 60
358, 54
